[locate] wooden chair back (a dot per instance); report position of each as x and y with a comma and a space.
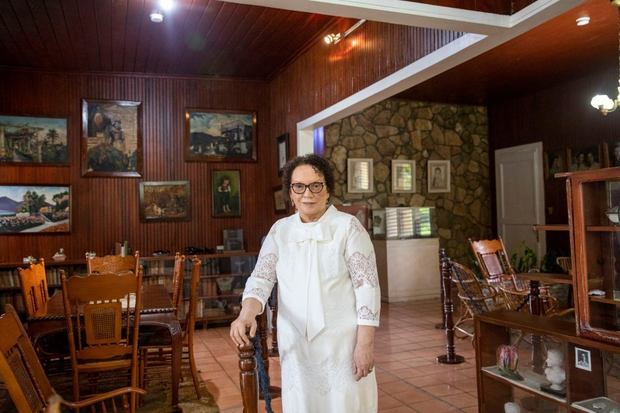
494, 263
113, 263
477, 296
103, 317
177, 282
20, 368
190, 317
33, 282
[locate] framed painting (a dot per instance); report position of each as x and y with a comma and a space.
226, 193
111, 138
555, 162
586, 158
220, 135
28, 209
438, 173
165, 201
33, 140
282, 152
360, 175
378, 223
279, 201
403, 176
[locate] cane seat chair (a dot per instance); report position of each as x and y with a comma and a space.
476, 296
102, 312
155, 347
113, 263
26, 382
496, 268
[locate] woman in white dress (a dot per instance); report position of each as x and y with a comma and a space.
328, 298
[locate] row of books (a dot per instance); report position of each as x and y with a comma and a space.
10, 278
205, 309
15, 300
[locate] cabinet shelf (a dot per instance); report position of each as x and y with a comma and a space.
605, 300
602, 228
531, 382
550, 227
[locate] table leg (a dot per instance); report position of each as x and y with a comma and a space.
177, 349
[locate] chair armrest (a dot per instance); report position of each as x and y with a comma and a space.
102, 397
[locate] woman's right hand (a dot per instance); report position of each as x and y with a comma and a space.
239, 328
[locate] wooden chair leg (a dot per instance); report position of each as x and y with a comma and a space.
192, 365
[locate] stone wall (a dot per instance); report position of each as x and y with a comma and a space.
402, 129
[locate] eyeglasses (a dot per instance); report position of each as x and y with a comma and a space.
314, 187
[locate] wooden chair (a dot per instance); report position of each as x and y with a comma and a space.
155, 347
476, 295
177, 282
495, 267
33, 281
103, 324
26, 381
113, 263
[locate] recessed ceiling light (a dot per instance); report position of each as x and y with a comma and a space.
156, 16
583, 20
166, 5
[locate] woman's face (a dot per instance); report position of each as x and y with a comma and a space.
310, 206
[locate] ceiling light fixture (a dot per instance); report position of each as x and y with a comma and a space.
603, 102
156, 16
166, 5
334, 38
583, 20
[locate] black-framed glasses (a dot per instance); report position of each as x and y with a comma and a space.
314, 187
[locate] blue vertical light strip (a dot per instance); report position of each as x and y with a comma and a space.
318, 142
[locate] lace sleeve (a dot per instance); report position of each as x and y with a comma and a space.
263, 278
362, 266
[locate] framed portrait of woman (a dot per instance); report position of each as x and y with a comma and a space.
438, 174
226, 193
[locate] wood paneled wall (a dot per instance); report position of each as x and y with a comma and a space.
561, 117
105, 210
324, 74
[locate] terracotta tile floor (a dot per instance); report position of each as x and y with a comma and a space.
406, 346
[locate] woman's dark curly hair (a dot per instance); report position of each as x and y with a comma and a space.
319, 164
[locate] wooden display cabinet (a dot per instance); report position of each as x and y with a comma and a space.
505, 327
595, 245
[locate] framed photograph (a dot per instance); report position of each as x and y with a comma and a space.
28, 209
583, 359
111, 138
611, 154
438, 173
403, 176
282, 152
555, 161
360, 175
226, 193
378, 223
164, 201
233, 239
33, 140
220, 135
359, 211
279, 201
585, 158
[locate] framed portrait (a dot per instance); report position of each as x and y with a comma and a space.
611, 154
378, 223
282, 152
583, 359
226, 193
555, 162
279, 201
438, 173
220, 135
403, 176
111, 138
585, 158
360, 175
165, 201
33, 140
28, 209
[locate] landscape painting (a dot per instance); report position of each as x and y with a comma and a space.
33, 140
220, 136
34, 209
164, 201
112, 140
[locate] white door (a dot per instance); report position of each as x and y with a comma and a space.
519, 185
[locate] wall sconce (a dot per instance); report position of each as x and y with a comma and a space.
157, 15
334, 38
603, 102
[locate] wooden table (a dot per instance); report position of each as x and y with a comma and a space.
157, 310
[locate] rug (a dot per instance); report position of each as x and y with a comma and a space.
157, 400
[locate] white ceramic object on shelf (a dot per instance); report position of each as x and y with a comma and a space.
555, 372
511, 407
60, 255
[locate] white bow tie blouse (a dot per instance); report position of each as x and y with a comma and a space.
327, 286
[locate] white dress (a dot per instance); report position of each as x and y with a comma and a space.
327, 286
